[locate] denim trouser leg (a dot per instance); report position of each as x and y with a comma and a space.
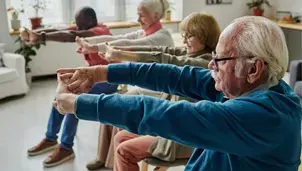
54, 124
69, 131
71, 122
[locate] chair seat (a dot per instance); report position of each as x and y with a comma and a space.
7, 74
157, 162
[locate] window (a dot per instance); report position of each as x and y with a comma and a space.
105, 9
63, 11
53, 13
131, 9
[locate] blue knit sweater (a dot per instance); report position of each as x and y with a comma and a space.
259, 131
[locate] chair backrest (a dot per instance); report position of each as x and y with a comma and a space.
295, 72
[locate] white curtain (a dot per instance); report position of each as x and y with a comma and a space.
105, 9
52, 14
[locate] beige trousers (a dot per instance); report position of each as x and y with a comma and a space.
107, 132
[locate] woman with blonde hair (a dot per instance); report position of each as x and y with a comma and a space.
200, 33
151, 33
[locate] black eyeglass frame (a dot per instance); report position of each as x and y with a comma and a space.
216, 60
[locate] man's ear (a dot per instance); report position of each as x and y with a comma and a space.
256, 71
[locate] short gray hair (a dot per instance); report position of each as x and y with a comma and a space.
261, 38
156, 6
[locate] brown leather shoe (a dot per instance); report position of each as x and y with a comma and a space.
59, 156
44, 146
95, 165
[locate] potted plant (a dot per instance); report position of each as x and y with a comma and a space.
169, 10
28, 51
38, 5
15, 22
256, 5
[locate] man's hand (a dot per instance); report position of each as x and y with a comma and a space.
65, 103
24, 34
34, 37
65, 100
82, 79
85, 47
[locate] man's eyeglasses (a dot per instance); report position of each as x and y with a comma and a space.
216, 60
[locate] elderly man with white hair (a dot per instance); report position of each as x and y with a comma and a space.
249, 122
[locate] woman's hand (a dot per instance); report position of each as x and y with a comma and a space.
111, 53
85, 47
82, 79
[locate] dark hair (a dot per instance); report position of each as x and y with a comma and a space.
89, 12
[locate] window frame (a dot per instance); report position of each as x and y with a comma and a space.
68, 11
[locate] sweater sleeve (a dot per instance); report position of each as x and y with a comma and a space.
172, 59
193, 82
108, 38
177, 51
208, 125
160, 38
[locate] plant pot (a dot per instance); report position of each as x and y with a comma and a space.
29, 78
15, 24
168, 16
36, 22
258, 12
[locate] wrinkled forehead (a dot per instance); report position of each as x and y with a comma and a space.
228, 39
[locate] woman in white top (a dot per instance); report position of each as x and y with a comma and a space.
150, 12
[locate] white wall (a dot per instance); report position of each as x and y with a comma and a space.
224, 13
289, 5
4, 32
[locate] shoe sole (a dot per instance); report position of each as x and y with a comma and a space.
42, 151
59, 162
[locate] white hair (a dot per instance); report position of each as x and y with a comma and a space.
260, 38
157, 6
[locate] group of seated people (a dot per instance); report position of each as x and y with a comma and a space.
219, 101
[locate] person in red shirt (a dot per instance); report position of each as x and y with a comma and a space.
86, 26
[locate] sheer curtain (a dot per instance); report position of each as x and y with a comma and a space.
52, 14
63, 11
131, 9
106, 10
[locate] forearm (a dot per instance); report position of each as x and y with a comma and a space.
60, 36
202, 125
139, 48
103, 38
193, 82
48, 30
121, 55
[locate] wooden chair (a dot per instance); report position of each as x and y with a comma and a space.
161, 165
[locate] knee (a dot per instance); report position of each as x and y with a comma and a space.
123, 149
119, 138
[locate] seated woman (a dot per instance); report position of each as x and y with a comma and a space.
152, 33
201, 33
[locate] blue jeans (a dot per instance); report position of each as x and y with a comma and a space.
71, 122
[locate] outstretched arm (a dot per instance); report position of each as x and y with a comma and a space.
208, 125
63, 36
193, 82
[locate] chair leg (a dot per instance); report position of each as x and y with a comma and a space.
161, 168
144, 166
